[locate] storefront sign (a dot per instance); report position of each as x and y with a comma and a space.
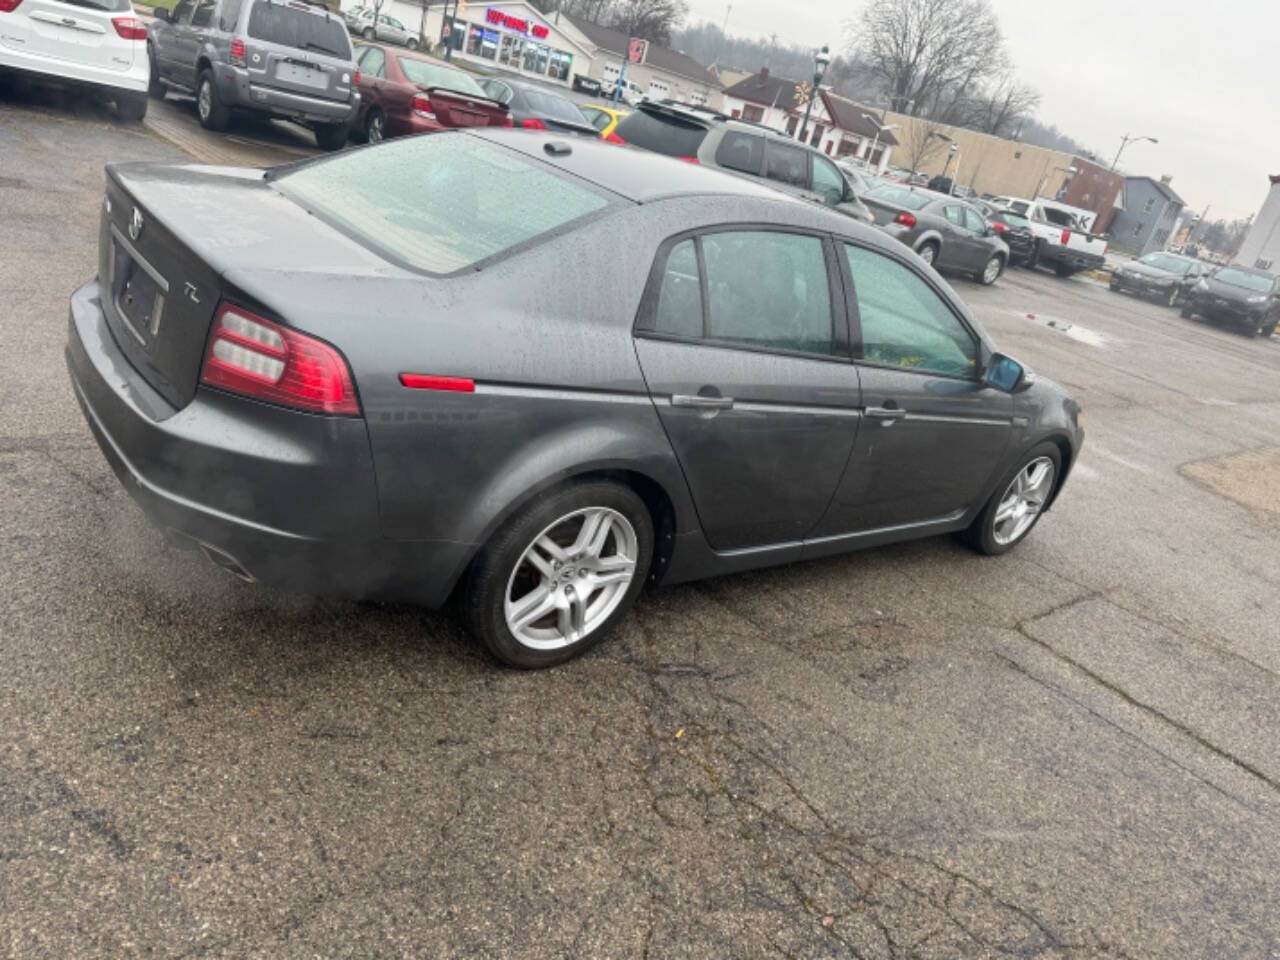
500, 19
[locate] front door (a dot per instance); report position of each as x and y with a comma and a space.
743, 344
960, 247
933, 433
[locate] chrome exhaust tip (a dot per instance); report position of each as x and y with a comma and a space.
225, 561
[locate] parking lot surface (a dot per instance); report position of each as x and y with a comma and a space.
1069, 751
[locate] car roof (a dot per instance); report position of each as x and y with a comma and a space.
1243, 269
638, 175
406, 54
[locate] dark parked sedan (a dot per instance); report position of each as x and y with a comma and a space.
1165, 277
537, 108
395, 383
1014, 230
945, 232
1240, 296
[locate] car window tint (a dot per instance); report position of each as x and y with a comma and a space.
498, 90
423, 74
662, 133
374, 62
954, 214
741, 151
552, 105
903, 197
768, 289
440, 203
904, 322
973, 221
182, 11
680, 296
302, 29
229, 14
203, 15
786, 164
827, 181
597, 118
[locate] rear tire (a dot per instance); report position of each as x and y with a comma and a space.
367, 33
155, 89
374, 126
1268, 329
1187, 312
412, 43
211, 111
993, 537
928, 252
131, 108
331, 136
502, 575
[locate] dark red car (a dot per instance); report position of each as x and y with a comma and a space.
403, 93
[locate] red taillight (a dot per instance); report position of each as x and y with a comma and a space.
906, 219
421, 105
237, 51
258, 358
131, 28
533, 123
1066, 237
688, 159
612, 137
8, 6
998, 227
507, 121
356, 78
427, 381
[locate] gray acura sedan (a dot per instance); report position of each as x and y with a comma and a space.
423, 367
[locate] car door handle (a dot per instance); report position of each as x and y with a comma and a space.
701, 403
887, 414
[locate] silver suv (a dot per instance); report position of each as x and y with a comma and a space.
388, 29
285, 60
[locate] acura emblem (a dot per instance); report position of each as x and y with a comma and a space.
135, 224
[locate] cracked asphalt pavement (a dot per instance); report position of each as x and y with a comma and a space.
1072, 751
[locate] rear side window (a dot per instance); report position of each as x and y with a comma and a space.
680, 297
552, 105
901, 197
904, 323
440, 203
661, 133
302, 29
741, 151
787, 164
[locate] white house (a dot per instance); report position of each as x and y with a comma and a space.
1261, 247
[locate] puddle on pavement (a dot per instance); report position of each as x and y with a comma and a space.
1073, 330
1250, 479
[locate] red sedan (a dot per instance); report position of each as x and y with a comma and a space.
403, 93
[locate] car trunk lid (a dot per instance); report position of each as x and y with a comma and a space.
170, 236
455, 109
81, 32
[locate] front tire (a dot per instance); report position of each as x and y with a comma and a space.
210, 109
155, 89
1063, 271
991, 272
560, 575
412, 43
331, 136
1187, 311
1018, 502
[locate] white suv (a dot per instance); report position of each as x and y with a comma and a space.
96, 43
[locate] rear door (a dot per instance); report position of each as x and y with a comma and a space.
786, 166
78, 33
957, 240
933, 433
191, 39
743, 344
300, 49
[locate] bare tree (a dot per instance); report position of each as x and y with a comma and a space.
1001, 108
922, 141
924, 53
649, 19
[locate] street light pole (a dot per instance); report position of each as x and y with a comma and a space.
820, 61
1124, 142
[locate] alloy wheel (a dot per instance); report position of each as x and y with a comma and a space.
926, 253
375, 128
571, 578
1173, 296
991, 272
1022, 501
204, 101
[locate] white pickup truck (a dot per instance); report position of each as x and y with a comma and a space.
1063, 241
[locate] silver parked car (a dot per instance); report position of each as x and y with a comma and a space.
360, 21
946, 232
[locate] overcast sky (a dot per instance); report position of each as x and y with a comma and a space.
1203, 78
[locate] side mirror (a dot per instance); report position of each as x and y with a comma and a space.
1004, 373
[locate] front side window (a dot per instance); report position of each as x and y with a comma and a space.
904, 322
954, 215
786, 164
440, 203
827, 182
972, 222
741, 151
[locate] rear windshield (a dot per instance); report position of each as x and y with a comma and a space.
552, 105
302, 29
1012, 219
901, 197
1248, 281
440, 203
112, 5
429, 75
1165, 261
662, 134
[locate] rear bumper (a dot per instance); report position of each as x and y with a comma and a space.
1074, 259
132, 80
289, 497
239, 90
